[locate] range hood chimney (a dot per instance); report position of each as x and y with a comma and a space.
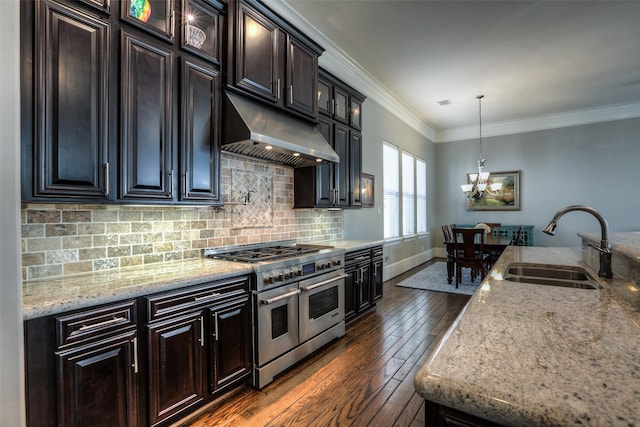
265, 133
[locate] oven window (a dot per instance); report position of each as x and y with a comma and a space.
323, 302
279, 321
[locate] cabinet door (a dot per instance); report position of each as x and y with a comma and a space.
202, 26
176, 374
350, 290
341, 170
355, 113
97, 383
325, 97
325, 184
231, 343
200, 144
302, 78
340, 105
146, 114
71, 90
154, 16
355, 168
365, 291
256, 68
376, 277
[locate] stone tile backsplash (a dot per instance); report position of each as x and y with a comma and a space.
62, 239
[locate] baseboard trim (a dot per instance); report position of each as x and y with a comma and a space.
404, 265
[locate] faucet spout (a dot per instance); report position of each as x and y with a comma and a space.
605, 245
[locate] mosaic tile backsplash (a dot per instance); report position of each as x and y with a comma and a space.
62, 239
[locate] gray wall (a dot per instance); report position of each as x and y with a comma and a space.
596, 165
11, 353
380, 125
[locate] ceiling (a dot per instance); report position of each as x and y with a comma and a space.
533, 61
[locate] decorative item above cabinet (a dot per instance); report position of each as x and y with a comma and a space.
271, 60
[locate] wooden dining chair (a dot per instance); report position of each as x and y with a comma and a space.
469, 253
446, 232
517, 241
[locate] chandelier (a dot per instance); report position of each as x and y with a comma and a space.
479, 185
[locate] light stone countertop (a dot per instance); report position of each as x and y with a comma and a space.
535, 355
351, 245
48, 296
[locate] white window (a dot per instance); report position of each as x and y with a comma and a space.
391, 189
421, 196
408, 195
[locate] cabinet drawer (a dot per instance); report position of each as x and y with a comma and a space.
357, 256
95, 322
376, 251
194, 298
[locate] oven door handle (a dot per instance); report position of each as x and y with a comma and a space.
280, 297
324, 282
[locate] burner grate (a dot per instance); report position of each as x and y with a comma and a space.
266, 253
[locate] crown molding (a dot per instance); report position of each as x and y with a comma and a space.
339, 63
548, 121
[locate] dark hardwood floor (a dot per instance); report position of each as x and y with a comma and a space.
363, 379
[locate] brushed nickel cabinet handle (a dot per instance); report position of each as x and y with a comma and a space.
135, 355
106, 179
102, 324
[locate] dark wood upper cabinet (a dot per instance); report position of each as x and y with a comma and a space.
146, 119
334, 185
302, 78
355, 112
201, 26
273, 62
154, 16
355, 172
200, 142
257, 55
70, 151
325, 97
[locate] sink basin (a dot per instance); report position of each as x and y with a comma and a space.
565, 276
565, 273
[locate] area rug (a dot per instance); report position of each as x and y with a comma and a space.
434, 278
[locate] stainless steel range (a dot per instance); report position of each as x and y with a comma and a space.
298, 301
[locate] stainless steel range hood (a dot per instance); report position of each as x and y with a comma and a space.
262, 132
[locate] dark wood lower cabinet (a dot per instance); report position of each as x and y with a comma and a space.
176, 359
437, 415
363, 284
231, 343
98, 385
100, 366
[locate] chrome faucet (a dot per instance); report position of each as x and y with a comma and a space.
605, 245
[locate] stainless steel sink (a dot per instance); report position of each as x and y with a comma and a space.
565, 276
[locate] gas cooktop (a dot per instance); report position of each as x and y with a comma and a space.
263, 252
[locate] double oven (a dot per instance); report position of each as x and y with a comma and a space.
298, 301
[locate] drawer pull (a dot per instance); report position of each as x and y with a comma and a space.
280, 297
206, 297
323, 283
113, 321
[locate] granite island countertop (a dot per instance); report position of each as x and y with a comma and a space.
535, 355
43, 297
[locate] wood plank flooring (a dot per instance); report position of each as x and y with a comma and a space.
363, 379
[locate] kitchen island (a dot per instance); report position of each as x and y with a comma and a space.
535, 355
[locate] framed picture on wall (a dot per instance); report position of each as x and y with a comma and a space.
367, 190
505, 199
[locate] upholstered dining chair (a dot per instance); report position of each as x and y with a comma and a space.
469, 253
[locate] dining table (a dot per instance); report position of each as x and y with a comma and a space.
492, 243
